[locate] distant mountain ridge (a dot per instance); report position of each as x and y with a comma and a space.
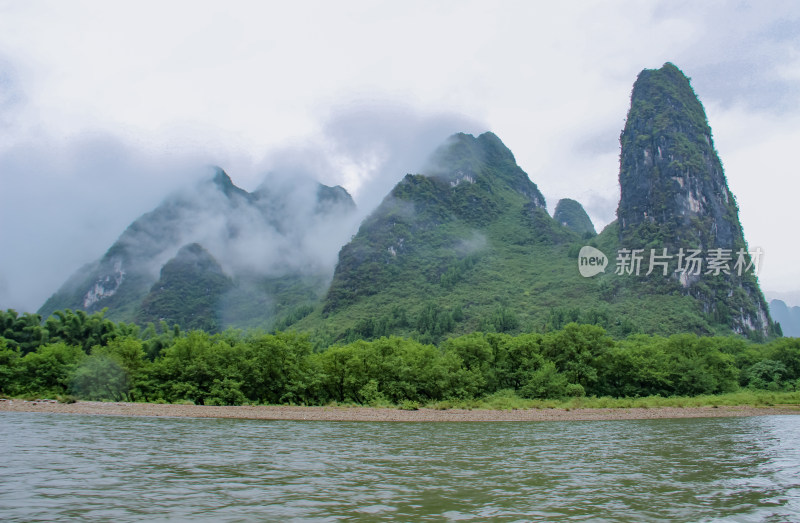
256, 237
465, 245
788, 317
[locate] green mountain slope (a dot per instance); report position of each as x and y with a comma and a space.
571, 214
467, 245
188, 291
430, 227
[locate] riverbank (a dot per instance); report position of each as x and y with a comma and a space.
343, 413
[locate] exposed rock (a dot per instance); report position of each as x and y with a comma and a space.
674, 195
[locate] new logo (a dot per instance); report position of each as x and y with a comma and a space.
591, 261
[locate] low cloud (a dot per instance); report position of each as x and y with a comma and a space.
64, 203
475, 243
68, 201
368, 148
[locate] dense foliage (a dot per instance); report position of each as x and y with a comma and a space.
572, 215
90, 357
190, 286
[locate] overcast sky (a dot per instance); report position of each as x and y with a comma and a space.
105, 107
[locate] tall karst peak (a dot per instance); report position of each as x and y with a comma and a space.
194, 256
674, 196
188, 291
333, 199
671, 178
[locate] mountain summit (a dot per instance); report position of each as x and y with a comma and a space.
571, 214
671, 178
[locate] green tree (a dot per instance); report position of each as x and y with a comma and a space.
575, 350
336, 378
787, 352
80, 329
9, 363
100, 377
545, 382
477, 358
515, 359
697, 367
48, 369
118, 371
637, 366
187, 370
277, 368
21, 332
503, 320
767, 375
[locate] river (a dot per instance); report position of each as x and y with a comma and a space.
57, 467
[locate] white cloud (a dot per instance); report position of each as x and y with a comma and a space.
755, 147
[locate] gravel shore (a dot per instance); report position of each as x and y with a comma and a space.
381, 414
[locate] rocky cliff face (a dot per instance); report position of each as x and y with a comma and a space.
670, 175
674, 195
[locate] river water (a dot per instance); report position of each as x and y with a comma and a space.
56, 467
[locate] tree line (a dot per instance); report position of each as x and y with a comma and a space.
90, 357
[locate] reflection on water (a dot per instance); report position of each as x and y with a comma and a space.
62, 467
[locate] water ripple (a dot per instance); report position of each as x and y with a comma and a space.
59, 467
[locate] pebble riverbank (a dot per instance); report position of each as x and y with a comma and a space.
340, 413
